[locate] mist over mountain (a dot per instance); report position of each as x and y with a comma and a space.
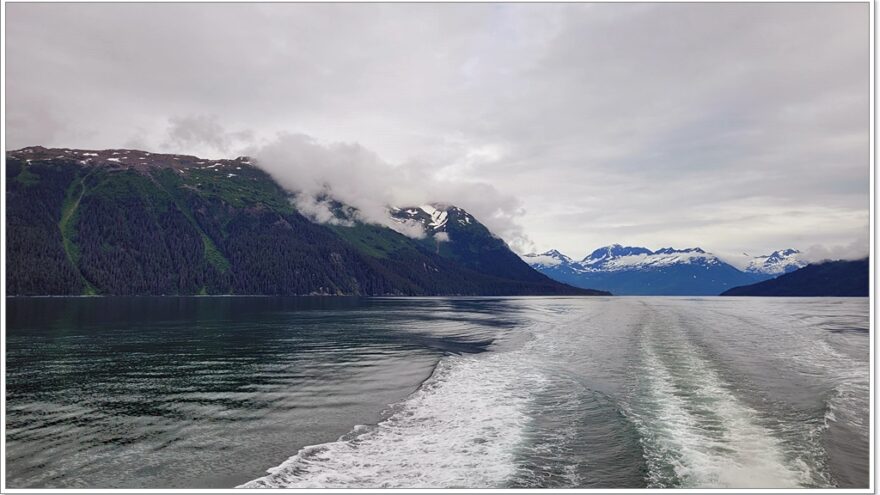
358, 177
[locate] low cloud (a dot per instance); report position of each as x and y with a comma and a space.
609, 122
356, 176
853, 251
319, 210
203, 132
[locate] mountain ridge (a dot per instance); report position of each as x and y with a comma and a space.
126, 222
840, 278
636, 270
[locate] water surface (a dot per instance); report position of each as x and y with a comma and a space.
437, 392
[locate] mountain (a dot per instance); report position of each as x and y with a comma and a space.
628, 270
776, 263
132, 222
828, 279
456, 235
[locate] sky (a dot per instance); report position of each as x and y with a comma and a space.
733, 127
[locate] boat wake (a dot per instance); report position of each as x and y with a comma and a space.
626, 398
460, 429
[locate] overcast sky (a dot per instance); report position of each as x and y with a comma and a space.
734, 127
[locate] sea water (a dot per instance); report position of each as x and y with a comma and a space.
438, 392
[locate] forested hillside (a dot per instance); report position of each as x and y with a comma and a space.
828, 279
131, 222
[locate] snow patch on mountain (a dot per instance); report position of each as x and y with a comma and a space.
616, 257
777, 262
624, 258
438, 217
546, 259
629, 270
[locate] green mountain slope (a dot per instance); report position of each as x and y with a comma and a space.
131, 222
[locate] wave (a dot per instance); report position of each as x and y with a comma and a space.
460, 429
695, 432
600, 398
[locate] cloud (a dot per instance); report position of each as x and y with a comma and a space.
855, 250
733, 126
203, 132
319, 209
353, 175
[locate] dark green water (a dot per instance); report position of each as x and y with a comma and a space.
437, 392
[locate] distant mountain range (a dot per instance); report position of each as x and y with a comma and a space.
828, 279
628, 270
125, 222
122, 222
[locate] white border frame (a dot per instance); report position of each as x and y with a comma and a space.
873, 187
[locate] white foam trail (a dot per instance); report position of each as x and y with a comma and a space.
470, 423
460, 429
709, 439
852, 387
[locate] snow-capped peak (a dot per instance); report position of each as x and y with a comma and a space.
555, 253
777, 262
670, 250
633, 258
614, 251
616, 257
433, 218
438, 216
547, 259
